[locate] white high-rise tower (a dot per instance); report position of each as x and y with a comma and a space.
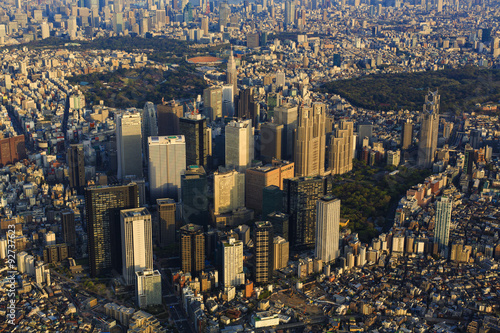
239, 144
129, 144
327, 228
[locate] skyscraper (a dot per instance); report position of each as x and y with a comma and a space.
340, 152
149, 127
429, 128
310, 141
69, 230
198, 139
247, 107
300, 196
102, 206
442, 222
286, 115
231, 73
327, 229
192, 249
148, 288
212, 101
271, 141
232, 263
406, 134
281, 252
239, 144
229, 191
166, 221
365, 129
263, 251
167, 160
129, 144
137, 242
289, 13
168, 118
256, 179
76, 163
194, 195
224, 12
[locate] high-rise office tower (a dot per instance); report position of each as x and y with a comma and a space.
212, 101
102, 206
281, 253
137, 242
167, 160
365, 130
231, 73
198, 139
289, 13
227, 101
224, 12
45, 29
300, 196
340, 152
229, 191
475, 138
271, 136
256, 179
192, 249
439, 6
239, 144
287, 115
168, 118
429, 129
195, 195
406, 134
232, 262
309, 154
69, 230
204, 24
263, 251
166, 221
442, 222
149, 127
469, 154
148, 288
129, 144
327, 229
76, 163
248, 108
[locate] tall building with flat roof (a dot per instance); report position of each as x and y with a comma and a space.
309, 154
327, 229
231, 72
271, 136
69, 230
195, 195
168, 118
102, 207
239, 144
232, 263
442, 222
272, 200
340, 153
166, 221
129, 144
192, 249
256, 179
198, 139
281, 253
12, 150
229, 191
167, 160
263, 251
149, 127
406, 134
148, 288
137, 242
429, 129
212, 101
76, 163
287, 115
300, 196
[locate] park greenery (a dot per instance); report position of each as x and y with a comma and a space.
460, 89
369, 195
133, 87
